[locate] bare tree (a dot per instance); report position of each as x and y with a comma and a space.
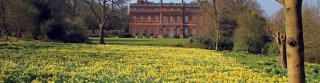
294, 40
211, 10
103, 11
275, 29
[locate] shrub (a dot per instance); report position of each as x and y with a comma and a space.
177, 36
54, 30
272, 48
248, 37
76, 38
116, 32
225, 43
164, 35
144, 34
125, 35
94, 35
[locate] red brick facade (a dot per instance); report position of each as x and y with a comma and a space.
163, 20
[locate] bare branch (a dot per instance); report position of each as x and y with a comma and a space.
282, 2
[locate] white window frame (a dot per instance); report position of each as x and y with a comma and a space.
141, 18
178, 19
156, 19
134, 18
186, 18
149, 18
171, 19
194, 18
178, 31
155, 30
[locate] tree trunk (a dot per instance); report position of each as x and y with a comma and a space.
281, 41
93, 31
217, 37
101, 34
7, 36
18, 33
8, 32
216, 10
0, 32
294, 41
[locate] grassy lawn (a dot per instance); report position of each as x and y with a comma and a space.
59, 62
142, 41
271, 65
32, 61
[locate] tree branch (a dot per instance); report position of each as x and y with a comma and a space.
282, 2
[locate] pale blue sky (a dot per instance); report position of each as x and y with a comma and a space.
269, 6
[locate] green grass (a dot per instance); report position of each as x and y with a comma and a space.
270, 65
142, 41
15, 52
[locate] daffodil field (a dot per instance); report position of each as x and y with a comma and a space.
57, 62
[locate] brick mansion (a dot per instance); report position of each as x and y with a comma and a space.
163, 20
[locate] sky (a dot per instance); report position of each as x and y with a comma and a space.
269, 6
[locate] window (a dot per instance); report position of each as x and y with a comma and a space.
171, 19
156, 19
134, 18
193, 31
194, 18
164, 19
141, 18
178, 31
164, 9
157, 10
178, 9
155, 30
164, 32
141, 9
171, 9
178, 19
134, 9
149, 18
134, 31
186, 19
186, 9
171, 31
149, 31
149, 9
186, 31
141, 30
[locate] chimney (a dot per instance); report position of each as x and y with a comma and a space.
182, 1
161, 1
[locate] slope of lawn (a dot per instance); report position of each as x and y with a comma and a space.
57, 62
272, 64
142, 41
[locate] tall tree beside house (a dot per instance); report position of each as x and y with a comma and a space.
103, 11
294, 40
221, 20
210, 10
